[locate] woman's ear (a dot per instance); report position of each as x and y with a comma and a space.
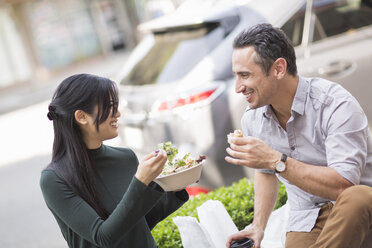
81, 117
280, 68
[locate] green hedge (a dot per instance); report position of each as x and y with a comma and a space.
237, 199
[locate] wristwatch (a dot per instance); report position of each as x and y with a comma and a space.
280, 166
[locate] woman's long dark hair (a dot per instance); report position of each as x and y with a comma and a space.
70, 159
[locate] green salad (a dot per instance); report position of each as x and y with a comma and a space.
174, 162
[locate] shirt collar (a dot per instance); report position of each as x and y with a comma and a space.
299, 100
268, 111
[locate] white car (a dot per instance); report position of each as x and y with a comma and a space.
178, 85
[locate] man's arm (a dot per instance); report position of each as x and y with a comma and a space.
266, 188
317, 180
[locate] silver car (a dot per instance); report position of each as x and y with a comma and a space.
178, 85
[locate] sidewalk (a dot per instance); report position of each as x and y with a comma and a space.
33, 93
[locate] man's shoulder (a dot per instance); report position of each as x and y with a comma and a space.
326, 87
327, 92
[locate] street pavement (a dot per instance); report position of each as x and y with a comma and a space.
25, 149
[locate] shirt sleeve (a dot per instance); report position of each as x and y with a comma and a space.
82, 219
346, 140
166, 206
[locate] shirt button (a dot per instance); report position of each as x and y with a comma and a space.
292, 148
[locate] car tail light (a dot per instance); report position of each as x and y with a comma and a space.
184, 100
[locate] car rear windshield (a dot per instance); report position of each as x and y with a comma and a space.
174, 53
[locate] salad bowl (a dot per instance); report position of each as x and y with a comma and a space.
181, 179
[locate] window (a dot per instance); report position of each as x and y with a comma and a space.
294, 28
331, 19
175, 53
345, 18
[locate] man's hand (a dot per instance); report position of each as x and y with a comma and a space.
252, 152
254, 233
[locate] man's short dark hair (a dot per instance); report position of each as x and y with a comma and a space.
270, 43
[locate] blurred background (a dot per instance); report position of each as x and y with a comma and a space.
41, 43
40, 40
172, 62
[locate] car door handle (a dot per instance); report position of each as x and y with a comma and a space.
334, 68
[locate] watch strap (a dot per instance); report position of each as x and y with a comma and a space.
284, 158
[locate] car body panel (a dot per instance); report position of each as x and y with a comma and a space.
343, 59
201, 127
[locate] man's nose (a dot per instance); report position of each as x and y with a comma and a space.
239, 87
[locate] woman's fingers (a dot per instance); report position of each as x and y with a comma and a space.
156, 156
151, 166
161, 157
148, 156
158, 161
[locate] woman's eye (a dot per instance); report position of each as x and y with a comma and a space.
114, 107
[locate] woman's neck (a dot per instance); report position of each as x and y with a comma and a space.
93, 144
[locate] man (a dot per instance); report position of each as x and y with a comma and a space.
308, 133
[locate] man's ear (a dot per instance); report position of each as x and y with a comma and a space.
81, 117
280, 68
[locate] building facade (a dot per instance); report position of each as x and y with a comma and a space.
38, 37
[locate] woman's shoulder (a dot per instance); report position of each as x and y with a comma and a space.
49, 181
120, 151
48, 174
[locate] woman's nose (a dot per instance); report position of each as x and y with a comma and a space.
118, 114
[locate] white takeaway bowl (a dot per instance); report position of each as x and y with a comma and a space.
181, 179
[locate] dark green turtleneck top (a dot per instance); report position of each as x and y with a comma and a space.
135, 208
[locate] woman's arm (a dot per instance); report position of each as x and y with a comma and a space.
166, 206
82, 219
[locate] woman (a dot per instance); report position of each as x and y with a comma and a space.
100, 195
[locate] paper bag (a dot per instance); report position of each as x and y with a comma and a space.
193, 235
275, 232
217, 221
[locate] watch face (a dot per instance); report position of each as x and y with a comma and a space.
280, 166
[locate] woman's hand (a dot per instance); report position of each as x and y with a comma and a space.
151, 166
252, 232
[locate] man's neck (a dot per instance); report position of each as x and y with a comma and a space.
282, 108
